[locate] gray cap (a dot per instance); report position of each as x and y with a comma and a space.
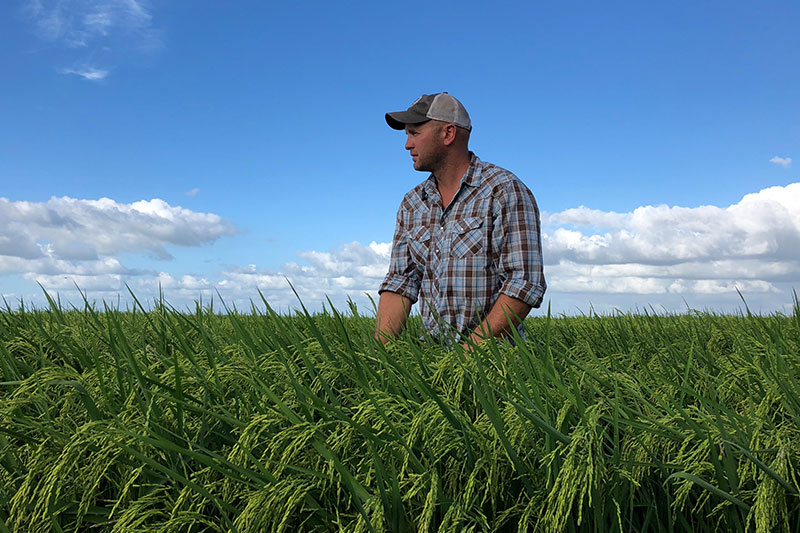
439, 106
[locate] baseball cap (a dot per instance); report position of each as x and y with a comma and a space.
439, 106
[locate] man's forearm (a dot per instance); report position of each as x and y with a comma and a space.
496, 322
393, 311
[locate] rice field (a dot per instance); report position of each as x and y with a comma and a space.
221, 420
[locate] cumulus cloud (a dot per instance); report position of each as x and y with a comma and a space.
192, 192
784, 162
66, 244
70, 228
65, 240
764, 225
749, 247
652, 256
96, 31
352, 269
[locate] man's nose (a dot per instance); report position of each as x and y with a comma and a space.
409, 144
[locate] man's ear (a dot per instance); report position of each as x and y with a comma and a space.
449, 134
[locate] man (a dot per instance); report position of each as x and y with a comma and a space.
467, 240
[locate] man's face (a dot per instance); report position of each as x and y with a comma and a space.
424, 145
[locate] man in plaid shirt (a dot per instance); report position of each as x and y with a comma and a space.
467, 242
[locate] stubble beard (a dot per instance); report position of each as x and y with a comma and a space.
430, 163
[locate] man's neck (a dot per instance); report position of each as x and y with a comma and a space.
449, 176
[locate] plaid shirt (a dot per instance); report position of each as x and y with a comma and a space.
459, 259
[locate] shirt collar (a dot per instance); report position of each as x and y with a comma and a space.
471, 178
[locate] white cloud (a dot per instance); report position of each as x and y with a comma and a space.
87, 73
640, 279
763, 225
349, 270
97, 31
37, 236
666, 257
193, 192
79, 22
99, 22
705, 253
785, 162
68, 242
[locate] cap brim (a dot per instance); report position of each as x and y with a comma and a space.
399, 119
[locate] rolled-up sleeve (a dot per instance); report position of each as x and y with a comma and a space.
404, 276
518, 242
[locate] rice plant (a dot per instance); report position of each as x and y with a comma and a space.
166, 420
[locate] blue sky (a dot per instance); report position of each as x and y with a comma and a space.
215, 147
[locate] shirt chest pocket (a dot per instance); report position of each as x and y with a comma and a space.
418, 240
467, 237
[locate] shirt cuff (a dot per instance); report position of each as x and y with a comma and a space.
527, 291
400, 285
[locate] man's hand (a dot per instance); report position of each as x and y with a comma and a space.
472, 343
505, 314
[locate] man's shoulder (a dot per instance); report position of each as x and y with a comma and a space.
496, 177
496, 173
